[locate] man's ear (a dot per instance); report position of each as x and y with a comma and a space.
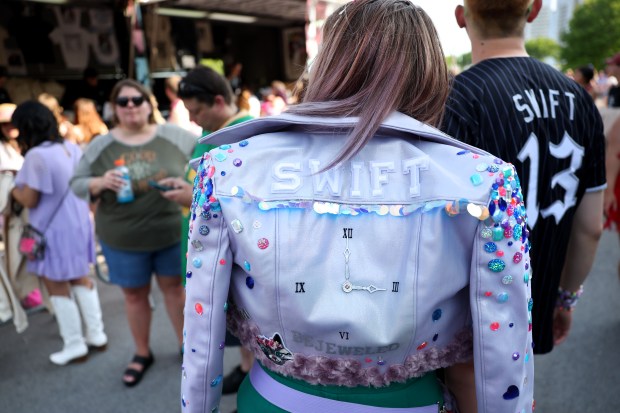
219, 100
534, 10
459, 13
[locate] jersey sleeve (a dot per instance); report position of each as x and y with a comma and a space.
501, 303
594, 161
209, 266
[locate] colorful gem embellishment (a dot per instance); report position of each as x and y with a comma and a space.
490, 247
216, 381
511, 393
197, 245
476, 179
502, 297
188, 274
437, 314
204, 230
515, 356
422, 346
247, 266
497, 265
237, 226
507, 280
481, 167
197, 262
494, 326
222, 261
517, 257
249, 282
498, 233
263, 243
210, 171
220, 157
237, 162
198, 308
243, 144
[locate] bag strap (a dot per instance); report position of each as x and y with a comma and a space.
49, 222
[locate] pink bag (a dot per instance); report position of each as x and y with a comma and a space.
32, 243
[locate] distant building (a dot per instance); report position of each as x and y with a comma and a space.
552, 20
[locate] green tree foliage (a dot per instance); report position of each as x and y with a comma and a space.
464, 60
542, 47
593, 34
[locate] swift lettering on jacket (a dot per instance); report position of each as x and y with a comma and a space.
364, 177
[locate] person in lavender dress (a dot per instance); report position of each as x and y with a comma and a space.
42, 186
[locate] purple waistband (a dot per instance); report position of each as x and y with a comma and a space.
295, 401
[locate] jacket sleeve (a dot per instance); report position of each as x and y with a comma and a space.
209, 265
500, 298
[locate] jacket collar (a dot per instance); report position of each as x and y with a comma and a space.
395, 125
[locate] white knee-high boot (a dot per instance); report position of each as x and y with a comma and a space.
88, 301
70, 326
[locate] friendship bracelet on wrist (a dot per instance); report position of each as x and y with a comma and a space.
567, 300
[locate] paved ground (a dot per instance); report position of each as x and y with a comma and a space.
581, 376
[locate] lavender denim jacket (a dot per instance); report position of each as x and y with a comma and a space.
411, 256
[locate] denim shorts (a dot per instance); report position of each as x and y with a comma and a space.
133, 269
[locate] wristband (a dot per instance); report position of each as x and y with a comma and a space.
567, 300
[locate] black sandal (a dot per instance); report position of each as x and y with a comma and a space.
145, 362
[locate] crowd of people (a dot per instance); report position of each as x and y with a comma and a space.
156, 150
278, 238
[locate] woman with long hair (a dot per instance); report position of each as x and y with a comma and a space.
42, 186
357, 250
88, 123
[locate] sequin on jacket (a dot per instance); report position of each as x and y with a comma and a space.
411, 256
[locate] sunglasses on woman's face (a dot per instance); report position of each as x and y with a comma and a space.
123, 101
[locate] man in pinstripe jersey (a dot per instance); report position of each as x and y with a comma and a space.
530, 114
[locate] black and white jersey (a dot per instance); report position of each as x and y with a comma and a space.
528, 113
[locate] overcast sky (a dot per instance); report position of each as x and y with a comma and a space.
453, 39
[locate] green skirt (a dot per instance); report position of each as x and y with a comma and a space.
415, 392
